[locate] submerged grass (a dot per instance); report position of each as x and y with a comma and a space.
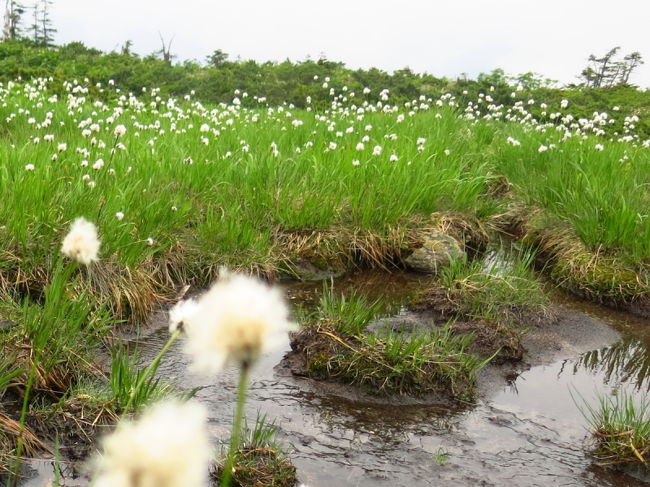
621, 427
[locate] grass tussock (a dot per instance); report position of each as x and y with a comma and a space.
345, 248
501, 286
77, 420
621, 428
336, 346
598, 274
260, 460
438, 361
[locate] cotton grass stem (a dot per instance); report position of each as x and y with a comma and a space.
236, 426
23, 416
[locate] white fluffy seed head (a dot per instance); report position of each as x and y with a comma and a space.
237, 320
181, 313
167, 447
119, 131
81, 243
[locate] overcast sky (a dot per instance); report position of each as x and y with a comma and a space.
444, 38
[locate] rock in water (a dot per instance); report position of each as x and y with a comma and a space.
6, 326
437, 252
304, 270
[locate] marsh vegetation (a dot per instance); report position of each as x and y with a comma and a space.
176, 189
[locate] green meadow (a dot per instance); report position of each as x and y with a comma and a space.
179, 189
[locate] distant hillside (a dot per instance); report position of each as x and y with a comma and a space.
317, 81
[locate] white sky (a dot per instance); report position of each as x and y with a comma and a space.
444, 38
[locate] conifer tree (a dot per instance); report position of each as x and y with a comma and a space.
13, 13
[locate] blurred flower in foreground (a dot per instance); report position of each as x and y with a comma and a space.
81, 243
167, 447
181, 313
238, 319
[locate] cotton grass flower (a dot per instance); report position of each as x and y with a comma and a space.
236, 321
512, 141
181, 313
81, 243
167, 447
119, 131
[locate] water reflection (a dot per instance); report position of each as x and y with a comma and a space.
625, 362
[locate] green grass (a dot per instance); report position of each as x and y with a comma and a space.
441, 456
349, 313
278, 184
335, 346
8, 372
503, 286
261, 459
57, 333
123, 378
621, 428
266, 173
601, 195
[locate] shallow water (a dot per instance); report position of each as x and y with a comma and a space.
524, 432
